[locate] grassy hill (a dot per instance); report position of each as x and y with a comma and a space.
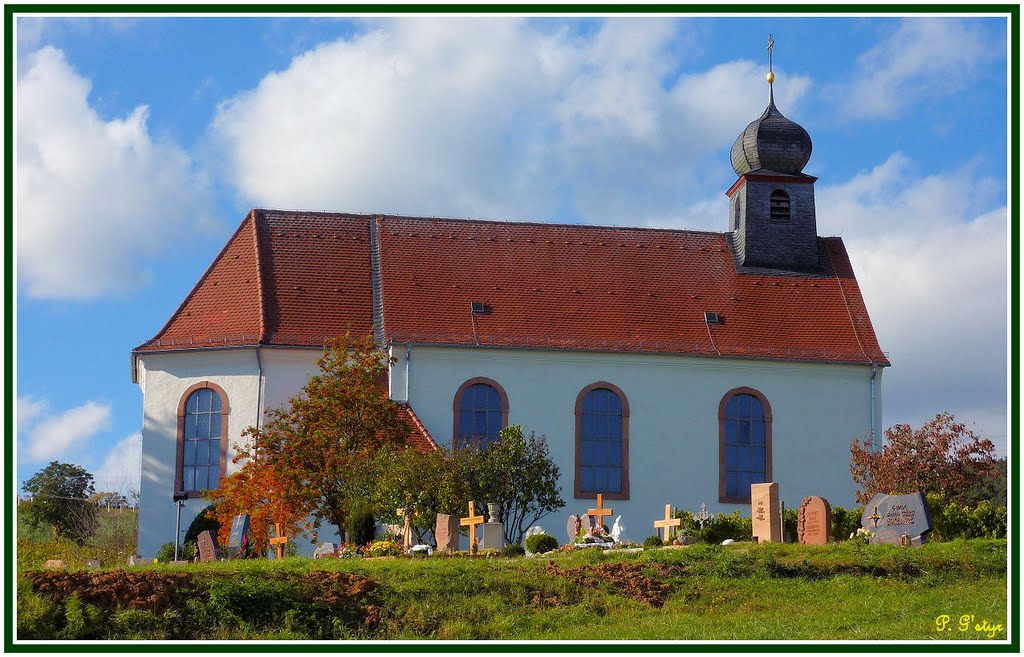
738, 592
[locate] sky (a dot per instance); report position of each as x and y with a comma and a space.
141, 143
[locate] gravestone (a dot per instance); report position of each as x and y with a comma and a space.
494, 536
446, 531
814, 521
325, 550
572, 528
239, 535
891, 517
765, 512
136, 560
208, 548
54, 563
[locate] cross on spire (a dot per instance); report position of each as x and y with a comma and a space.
771, 73
771, 45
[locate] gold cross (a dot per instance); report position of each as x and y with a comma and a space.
472, 521
668, 522
600, 511
771, 45
875, 517
279, 540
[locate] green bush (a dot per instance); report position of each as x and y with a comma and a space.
383, 548
513, 550
725, 526
845, 522
166, 552
953, 520
360, 528
989, 520
790, 530
653, 542
206, 519
541, 543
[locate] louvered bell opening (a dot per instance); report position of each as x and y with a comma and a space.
779, 207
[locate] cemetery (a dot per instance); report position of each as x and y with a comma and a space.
730, 576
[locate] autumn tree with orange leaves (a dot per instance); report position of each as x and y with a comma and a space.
943, 457
302, 463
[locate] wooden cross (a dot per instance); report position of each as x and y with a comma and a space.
279, 540
599, 512
875, 517
407, 535
668, 523
472, 521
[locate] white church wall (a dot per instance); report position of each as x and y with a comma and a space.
673, 425
165, 379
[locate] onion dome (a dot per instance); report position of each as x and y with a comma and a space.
771, 143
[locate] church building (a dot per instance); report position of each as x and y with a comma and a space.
663, 366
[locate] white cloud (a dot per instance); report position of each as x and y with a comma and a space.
120, 470
28, 409
93, 197
923, 58
932, 267
489, 117
57, 436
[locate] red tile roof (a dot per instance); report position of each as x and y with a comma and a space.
545, 286
420, 439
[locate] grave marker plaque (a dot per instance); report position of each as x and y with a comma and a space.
446, 531
765, 512
572, 528
208, 548
891, 517
814, 521
493, 536
239, 535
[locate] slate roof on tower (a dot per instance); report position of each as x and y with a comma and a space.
298, 278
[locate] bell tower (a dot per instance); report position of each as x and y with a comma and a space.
771, 205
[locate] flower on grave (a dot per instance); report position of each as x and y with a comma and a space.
862, 536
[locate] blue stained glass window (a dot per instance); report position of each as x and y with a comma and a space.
601, 444
745, 444
480, 416
201, 440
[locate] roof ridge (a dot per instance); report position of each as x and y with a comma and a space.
254, 214
199, 284
518, 222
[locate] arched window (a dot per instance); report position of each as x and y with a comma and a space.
736, 213
779, 201
602, 442
202, 439
481, 412
745, 443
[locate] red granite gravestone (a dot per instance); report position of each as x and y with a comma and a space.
208, 548
814, 521
446, 531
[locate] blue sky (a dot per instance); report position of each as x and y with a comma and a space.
142, 142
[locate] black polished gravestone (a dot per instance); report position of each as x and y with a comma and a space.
239, 538
898, 519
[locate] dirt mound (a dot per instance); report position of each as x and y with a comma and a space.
628, 578
114, 588
346, 591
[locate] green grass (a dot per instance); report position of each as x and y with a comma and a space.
740, 592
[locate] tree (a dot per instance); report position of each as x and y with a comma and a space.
302, 460
518, 473
60, 499
942, 457
423, 483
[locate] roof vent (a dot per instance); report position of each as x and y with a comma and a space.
713, 318
478, 307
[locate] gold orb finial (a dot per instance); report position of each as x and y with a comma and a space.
770, 77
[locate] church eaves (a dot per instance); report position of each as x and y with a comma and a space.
546, 286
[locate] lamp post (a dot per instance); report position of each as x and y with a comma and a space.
179, 501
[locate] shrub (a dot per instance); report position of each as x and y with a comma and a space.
361, 525
166, 552
653, 542
541, 543
790, 529
953, 520
989, 520
845, 522
383, 549
513, 550
206, 519
725, 526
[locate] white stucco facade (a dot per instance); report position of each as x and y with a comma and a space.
817, 411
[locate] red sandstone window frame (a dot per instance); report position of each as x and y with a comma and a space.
179, 467
457, 405
578, 491
743, 390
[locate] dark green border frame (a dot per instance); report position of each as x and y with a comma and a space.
1013, 56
